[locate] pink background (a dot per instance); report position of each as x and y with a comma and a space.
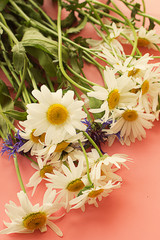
129, 213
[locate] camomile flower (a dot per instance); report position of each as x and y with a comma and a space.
132, 66
91, 195
54, 151
33, 143
55, 115
42, 167
116, 95
147, 38
69, 182
150, 89
132, 122
102, 168
27, 218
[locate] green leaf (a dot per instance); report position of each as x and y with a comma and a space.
21, 116
3, 4
151, 25
18, 56
29, 10
33, 38
69, 20
44, 59
6, 103
94, 104
135, 10
78, 28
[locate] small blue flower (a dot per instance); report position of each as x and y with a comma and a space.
97, 132
12, 145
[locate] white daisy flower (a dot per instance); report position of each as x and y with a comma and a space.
116, 95
54, 151
91, 195
132, 66
42, 168
132, 122
27, 218
33, 143
102, 168
147, 38
150, 89
69, 182
55, 115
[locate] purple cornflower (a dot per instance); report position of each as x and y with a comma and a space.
96, 131
12, 146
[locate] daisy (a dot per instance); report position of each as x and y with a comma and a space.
102, 168
116, 95
41, 168
132, 66
27, 218
147, 38
91, 195
150, 89
33, 143
69, 182
55, 115
54, 151
131, 122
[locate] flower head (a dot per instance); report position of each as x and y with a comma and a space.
12, 146
55, 115
27, 218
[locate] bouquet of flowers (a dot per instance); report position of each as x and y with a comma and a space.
58, 118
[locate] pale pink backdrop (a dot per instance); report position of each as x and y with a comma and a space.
129, 213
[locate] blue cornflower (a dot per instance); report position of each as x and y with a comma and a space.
12, 146
97, 132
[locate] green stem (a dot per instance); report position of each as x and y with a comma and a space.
32, 79
18, 173
81, 77
50, 83
97, 16
10, 34
87, 162
44, 14
2, 135
7, 120
108, 15
60, 51
22, 81
31, 159
144, 10
20, 11
84, 107
4, 22
131, 26
93, 143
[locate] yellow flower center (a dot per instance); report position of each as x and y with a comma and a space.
37, 139
61, 146
113, 98
35, 220
95, 193
57, 114
75, 185
130, 115
133, 72
134, 90
46, 169
143, 42
145, 87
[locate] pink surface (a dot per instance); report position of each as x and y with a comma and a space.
129, 213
